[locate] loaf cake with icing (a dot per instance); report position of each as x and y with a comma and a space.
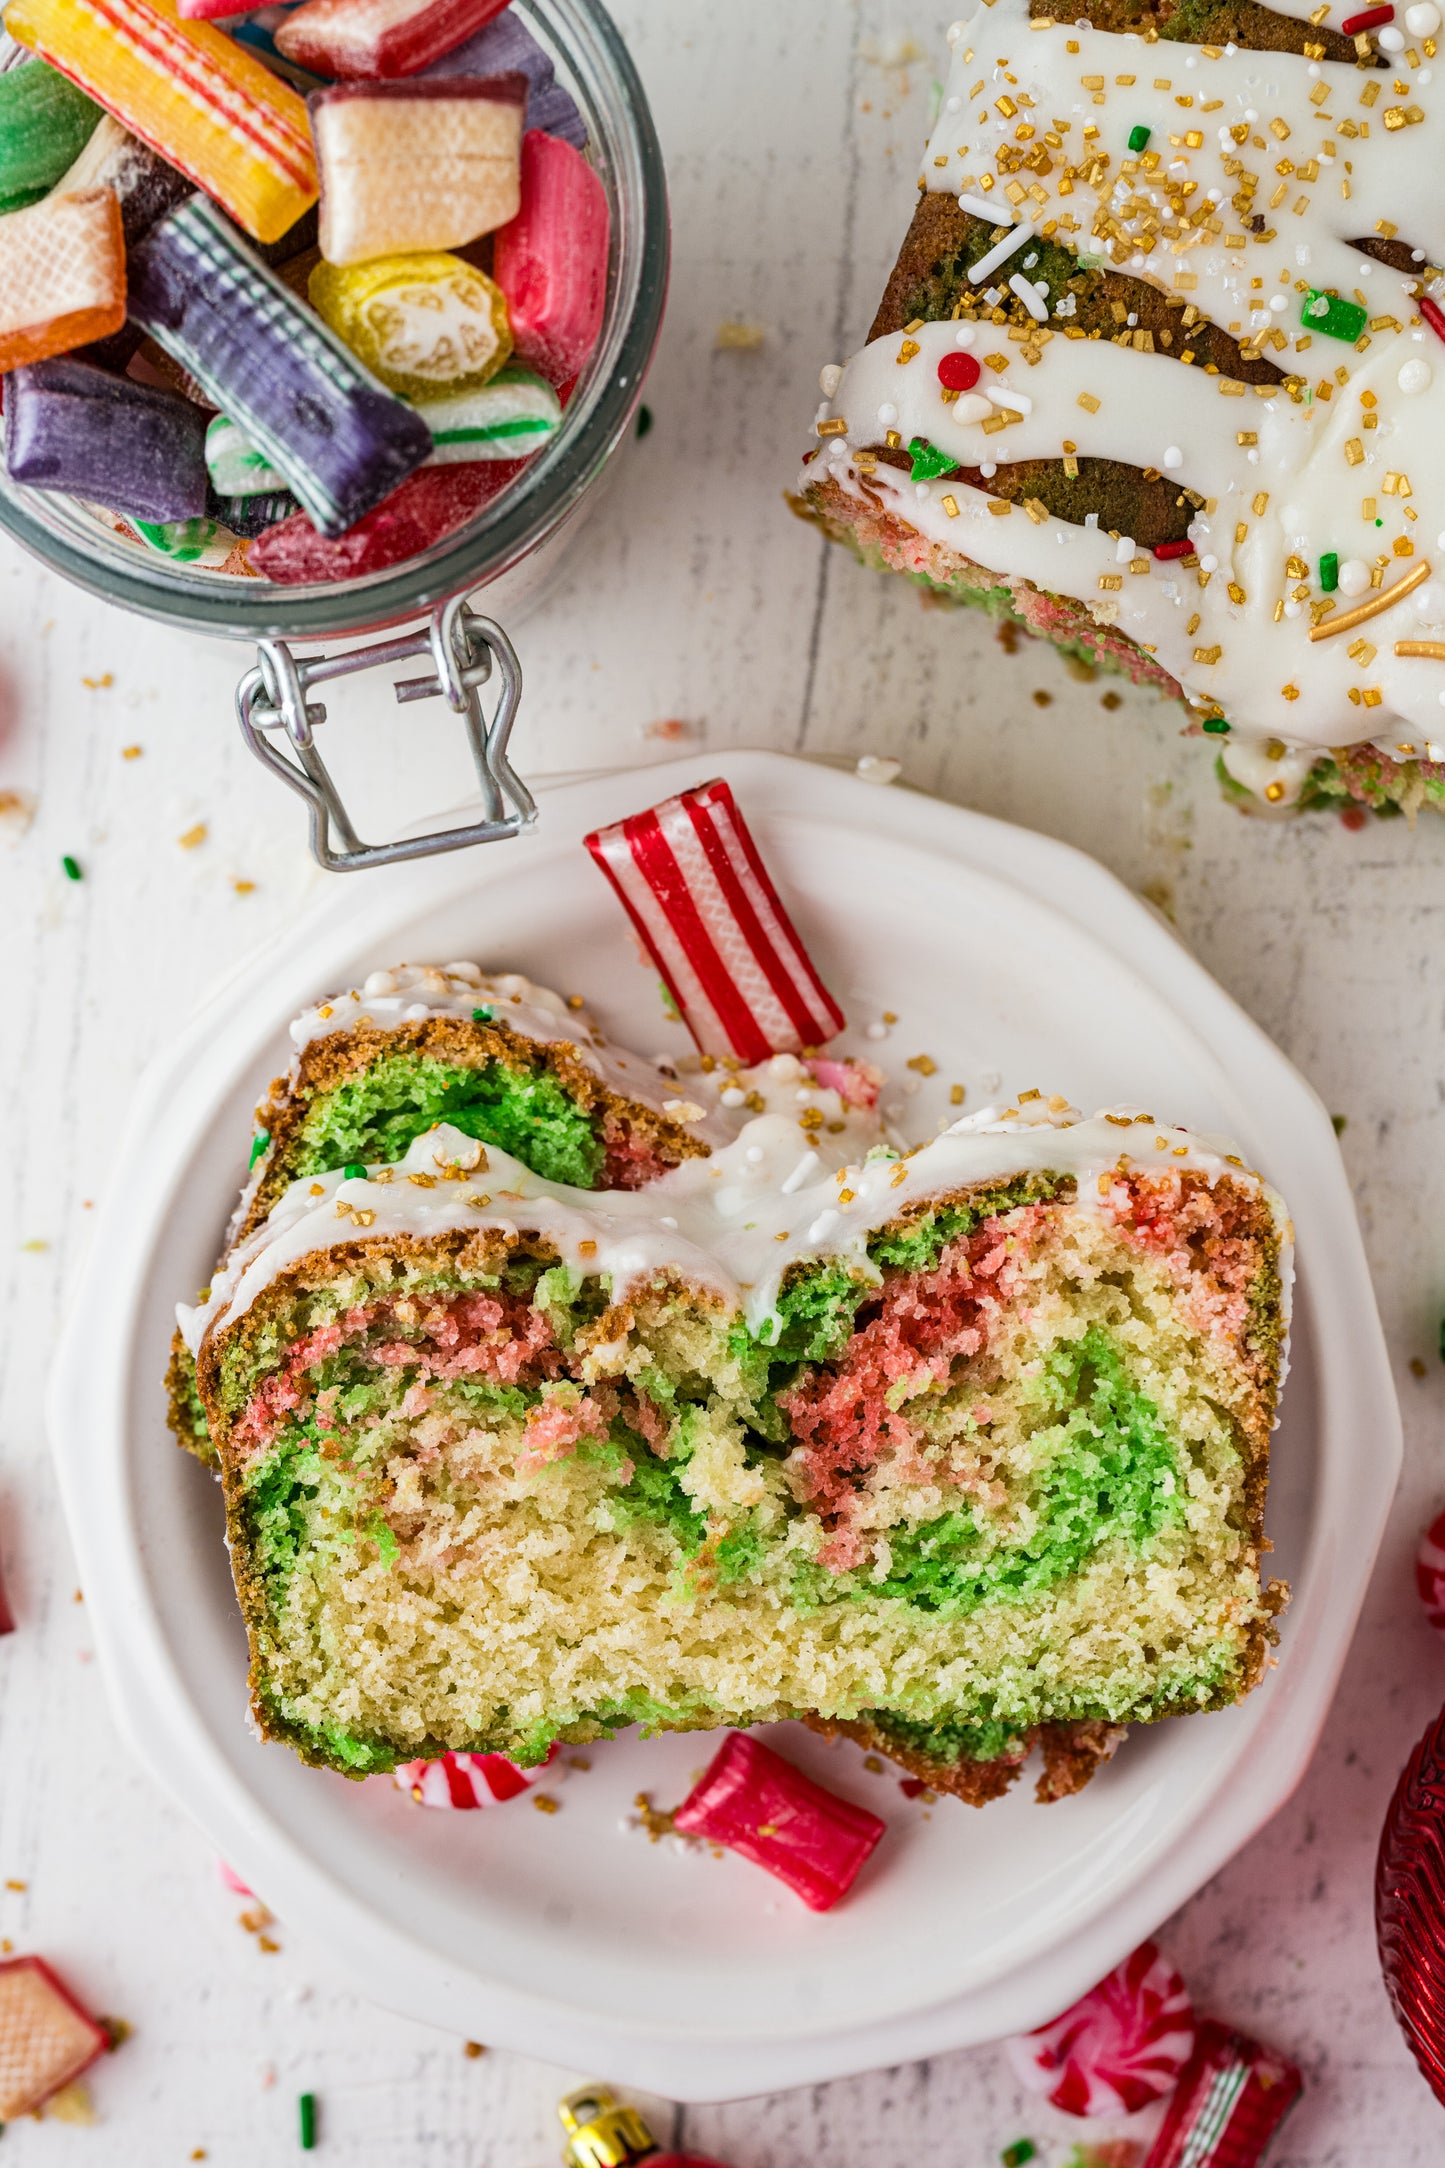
1159, 375
957, 1449
508, 1062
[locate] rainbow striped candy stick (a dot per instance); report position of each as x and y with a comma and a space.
191, 93
690, 878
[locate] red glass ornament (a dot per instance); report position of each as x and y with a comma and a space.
958, 372
1410, 1904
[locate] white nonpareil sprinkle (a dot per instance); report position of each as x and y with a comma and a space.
1173, 457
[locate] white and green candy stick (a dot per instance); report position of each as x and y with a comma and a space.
508, 418
235, 466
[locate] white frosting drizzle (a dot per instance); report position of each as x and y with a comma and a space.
1310, 477
733, 1223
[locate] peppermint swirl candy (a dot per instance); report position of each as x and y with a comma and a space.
466, 1780
1118, 2047
1430, 1572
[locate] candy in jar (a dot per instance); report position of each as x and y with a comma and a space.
426, 324
513, 415
208, 106
62, 275
551, 259
505, 47
370, 38
143, 184
130, 446
342, 443
409, 166
427, 507
602, 2133
45, 123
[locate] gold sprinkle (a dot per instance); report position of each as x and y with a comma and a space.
899, 1174
924, 1064
98, 684
544, 1804
193, 836
1354, 452
956, 1095
587, 1249
244, 888
950, 506
908, 349
130, 752
836, 427
1274, 792
1348, 619
1208, 654
1089, 402
1290, 692
422, 1181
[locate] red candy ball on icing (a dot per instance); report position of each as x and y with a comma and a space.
1430, 1572
958, 372
1118, 2047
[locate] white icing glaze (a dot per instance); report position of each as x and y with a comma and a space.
732, 1224
1325, 470
712, 1103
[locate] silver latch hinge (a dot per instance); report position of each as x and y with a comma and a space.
464, 650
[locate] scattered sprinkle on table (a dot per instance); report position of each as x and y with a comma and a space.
193, 836
644, 420
472, 2049
70, 867
1022, 2149
130, 752
244, 888
306, 2116
99, 684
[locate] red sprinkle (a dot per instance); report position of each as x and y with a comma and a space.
958, 372
1174, 549
1371, 19
760, 1805
1433, 314
1354, 818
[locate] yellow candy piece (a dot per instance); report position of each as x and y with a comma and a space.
192, 93
423, 324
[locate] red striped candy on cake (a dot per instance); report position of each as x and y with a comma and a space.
466, 1780
1430, 1572
690, 878
1118, 2047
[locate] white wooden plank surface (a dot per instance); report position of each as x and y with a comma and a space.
791, 144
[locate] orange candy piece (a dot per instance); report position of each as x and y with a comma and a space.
62, 275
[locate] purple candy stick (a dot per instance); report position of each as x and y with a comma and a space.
73, 427
505, 46
304, 400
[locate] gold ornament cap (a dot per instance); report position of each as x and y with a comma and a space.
600, 2132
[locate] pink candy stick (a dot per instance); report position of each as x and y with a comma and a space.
551, 259
1118, 2047
758, 1804
466, 1780
690, 879
351, 39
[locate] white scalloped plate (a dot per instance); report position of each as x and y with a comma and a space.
570, 1936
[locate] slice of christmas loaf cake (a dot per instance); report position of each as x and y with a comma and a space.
1159, 374
964, 1448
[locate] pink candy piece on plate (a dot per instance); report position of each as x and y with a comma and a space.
1118, 2047
466, 1780
348, 39
756, 1803
690, 878
1430, 1572
429, 505
551, 259
232, 1881
46, 2037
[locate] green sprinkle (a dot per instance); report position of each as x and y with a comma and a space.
1339, 1122
1138, 138
1442, 1339
70, 867
259, 1144
928, 461
644, 420
1023, 2149
1216, 726
1330, 571
306, 2107
484, 1015
1337, 319
353, 1171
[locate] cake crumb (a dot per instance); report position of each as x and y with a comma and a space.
192, 836
873, 1765
472, 2049
17, 809
1417, 1368
244, 888
735, 337
130, 752
1111, 700
1042, 699
657, 1821
99, 684
71, 2105
544, 1804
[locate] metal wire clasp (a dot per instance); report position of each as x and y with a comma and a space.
462, 648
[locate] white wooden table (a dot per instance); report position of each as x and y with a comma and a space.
792, 134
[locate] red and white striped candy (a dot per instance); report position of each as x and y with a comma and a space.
691, 881
466, 1780
1430, 1572
1118, 2047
